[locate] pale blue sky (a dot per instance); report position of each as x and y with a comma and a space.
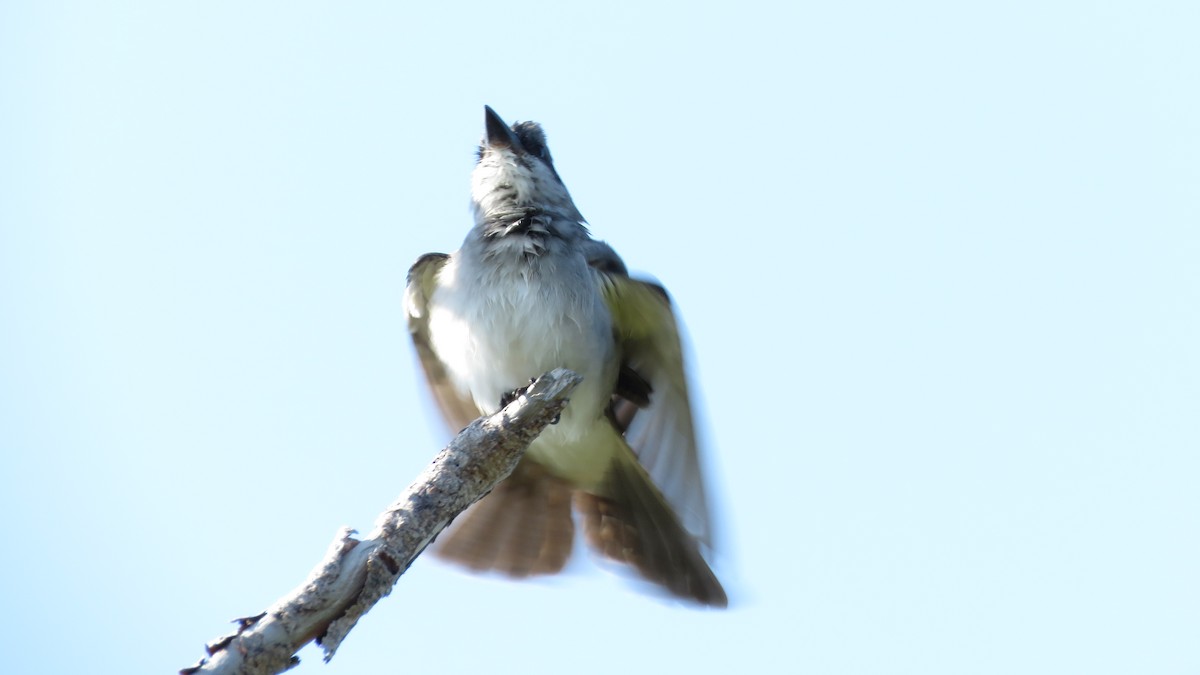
938, 265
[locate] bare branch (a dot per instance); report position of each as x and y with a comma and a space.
355, 574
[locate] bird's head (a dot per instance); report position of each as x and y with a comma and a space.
515, 174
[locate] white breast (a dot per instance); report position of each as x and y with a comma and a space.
496, 330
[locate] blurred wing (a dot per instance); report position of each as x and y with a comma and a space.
457, 409
659, 426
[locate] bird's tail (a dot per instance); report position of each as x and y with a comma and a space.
523, 527
630, 521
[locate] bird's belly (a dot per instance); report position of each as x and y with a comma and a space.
495, 338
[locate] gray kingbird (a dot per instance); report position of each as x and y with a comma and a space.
530, 290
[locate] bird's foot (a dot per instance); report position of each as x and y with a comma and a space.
515, 394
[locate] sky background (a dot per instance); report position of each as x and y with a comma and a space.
938, 264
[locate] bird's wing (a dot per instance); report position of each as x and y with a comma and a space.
652, 405
457, 408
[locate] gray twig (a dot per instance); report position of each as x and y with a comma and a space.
355, 574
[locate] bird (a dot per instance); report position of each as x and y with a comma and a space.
530, 290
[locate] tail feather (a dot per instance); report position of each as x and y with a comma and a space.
522, 528
632, 523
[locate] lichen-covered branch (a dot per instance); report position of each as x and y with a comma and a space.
355, 574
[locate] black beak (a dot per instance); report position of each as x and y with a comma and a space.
498, 133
